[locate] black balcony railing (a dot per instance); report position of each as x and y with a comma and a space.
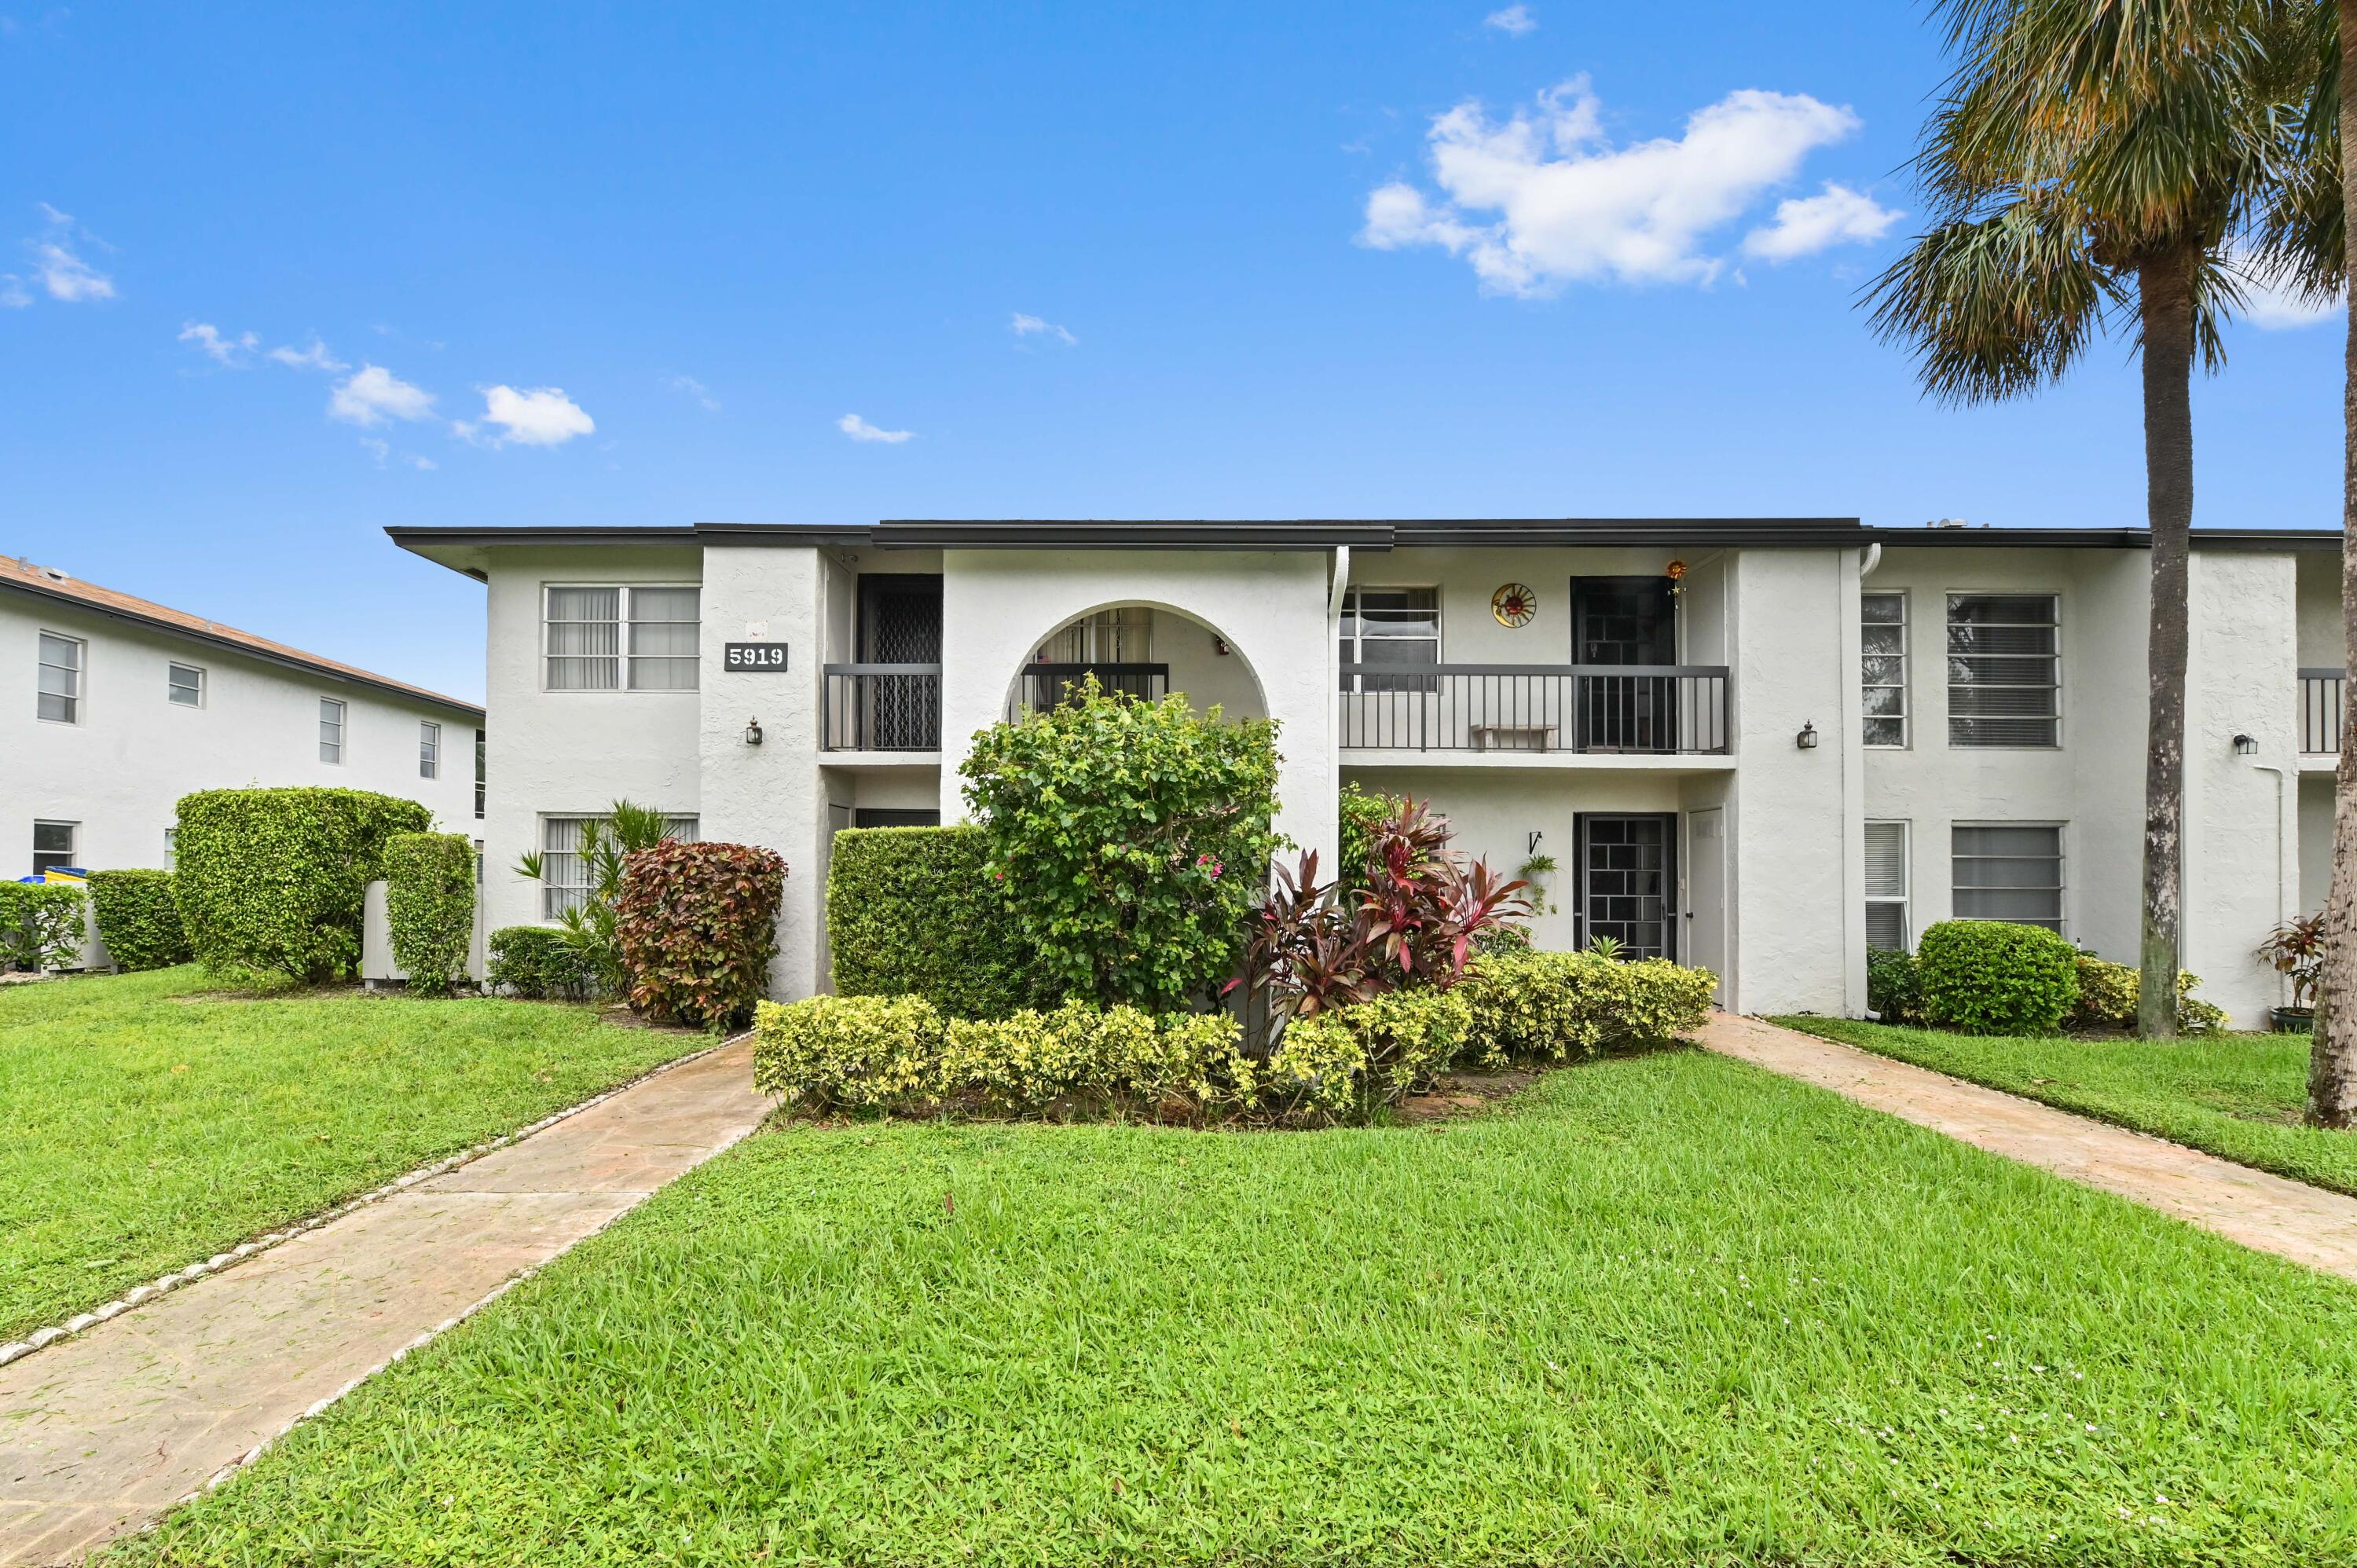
1638, 708
882, 707
1043, 685
2321, 696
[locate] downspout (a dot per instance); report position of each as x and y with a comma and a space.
1869, 561
1334, 592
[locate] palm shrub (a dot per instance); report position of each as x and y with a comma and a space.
137, 920
1129, 838
607, 844
429, 906
695, 927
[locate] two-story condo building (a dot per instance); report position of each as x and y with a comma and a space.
1756, 744
113, 707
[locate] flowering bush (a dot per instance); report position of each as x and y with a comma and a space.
695, 927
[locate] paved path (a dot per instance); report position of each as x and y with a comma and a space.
2267, 1212
106, 1431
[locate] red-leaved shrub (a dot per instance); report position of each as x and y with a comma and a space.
696, 928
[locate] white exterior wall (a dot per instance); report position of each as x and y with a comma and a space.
119, 773
561, 753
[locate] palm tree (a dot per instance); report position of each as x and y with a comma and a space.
2088, 174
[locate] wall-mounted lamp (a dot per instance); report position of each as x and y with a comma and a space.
752, 732
1807, 739
2245, 746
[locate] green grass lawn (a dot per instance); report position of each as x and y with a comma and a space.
145, 1124
2240, 1097
1659, 1309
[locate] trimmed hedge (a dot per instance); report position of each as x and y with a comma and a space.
2108, 994
429, 903
1994, 977
40, 924
536, 962
1549, 1006
695, 927
915, 912
276, 880
137, 918
1342, 1063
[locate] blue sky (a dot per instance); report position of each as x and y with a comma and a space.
605, 265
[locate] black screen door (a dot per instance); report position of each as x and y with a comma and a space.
1625, 621
1628, 882
900, 623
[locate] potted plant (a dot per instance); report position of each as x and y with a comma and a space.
2295, 949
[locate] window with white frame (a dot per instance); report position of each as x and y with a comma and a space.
54, 846
564, 877
2005, 669
2008, 871
429, 750
1887, 922
61, 658
1121, 634
1882, 668
1391, 626
184, 686
331, 730
480, 774
620, 638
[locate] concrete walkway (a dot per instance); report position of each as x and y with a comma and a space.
106, 1431
2266, 1212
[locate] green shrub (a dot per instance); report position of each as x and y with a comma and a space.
429, 903
536, 962
1551, 1006
696, 926
915, 912
1345, 1061
829, 1051
275, 880
1993, 977
1133, 840
1894, 985
2108, 994
137, 920
40, 924
1362, 813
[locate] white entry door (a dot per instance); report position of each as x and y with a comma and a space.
1705, 914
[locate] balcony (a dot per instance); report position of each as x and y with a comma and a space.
2320, 697
881, 707
1041, 686
1578, 709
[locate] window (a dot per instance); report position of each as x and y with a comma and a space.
2003, 669
1123, 635
1885, 885
184, 685
564, 872
2008, 871
1882, 670
60, 679
479, 774
897, 817
331, 730
53, 845
1391, 626
616, 638
429, 750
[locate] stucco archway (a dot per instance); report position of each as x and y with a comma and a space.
1146, 647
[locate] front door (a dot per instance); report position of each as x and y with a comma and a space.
1625, 621
1706, 893
900, 623
1628, 881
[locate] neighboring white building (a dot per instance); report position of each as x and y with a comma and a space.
1753, 744
111, 708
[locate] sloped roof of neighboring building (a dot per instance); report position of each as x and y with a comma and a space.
43, 582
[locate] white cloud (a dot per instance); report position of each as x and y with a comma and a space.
1807, 225
59, 267
1514, 21
1570, 206
689, 387
2274, 305
1026, 325
543, 416
377, 447
371, 394
13, 296
314, 358
423, 464
858, 429
231, 351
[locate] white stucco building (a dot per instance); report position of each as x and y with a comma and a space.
1753, 744
111, 708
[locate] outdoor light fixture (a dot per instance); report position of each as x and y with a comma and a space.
1807, 739
2245, 746
752, 732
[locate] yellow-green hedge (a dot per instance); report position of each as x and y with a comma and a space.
1551, 1006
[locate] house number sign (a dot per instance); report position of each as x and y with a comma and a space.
754, 656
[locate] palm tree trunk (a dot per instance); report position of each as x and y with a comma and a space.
2165, 296
2332, 1053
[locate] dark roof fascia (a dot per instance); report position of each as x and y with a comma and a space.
785, 534
248, 650
412, 538
2298, 540
1121, 533
1689, 533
